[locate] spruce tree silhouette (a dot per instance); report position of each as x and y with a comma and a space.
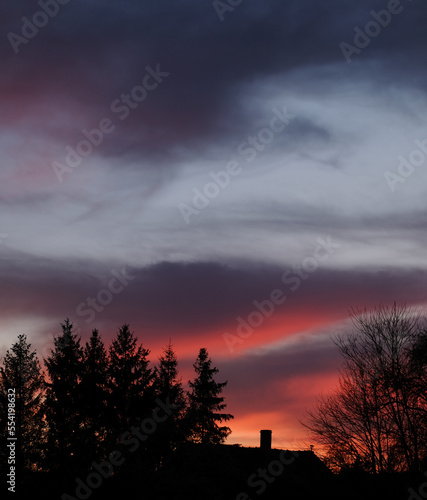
63, 408
95, 398
206, 404
168, 387
130, 381
21, 373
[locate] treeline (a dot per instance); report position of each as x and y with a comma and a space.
90, 400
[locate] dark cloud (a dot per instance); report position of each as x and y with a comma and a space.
194, 298
88, 55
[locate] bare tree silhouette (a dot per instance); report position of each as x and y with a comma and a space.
376, 418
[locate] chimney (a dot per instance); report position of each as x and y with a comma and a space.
265, 440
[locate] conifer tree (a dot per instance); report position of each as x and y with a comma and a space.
95, 396
130, 380
206, 404
169, 389
63, 400
20, 376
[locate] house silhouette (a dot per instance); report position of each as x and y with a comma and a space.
234, 472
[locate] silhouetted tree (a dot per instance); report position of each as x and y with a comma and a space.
376, 416
419, 369
131, 380
419, 349
96, 412
168, 387
21, 373
206, 404
63, 400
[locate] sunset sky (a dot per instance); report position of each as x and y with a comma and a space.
175, 164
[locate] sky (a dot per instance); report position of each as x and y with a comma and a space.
235, 175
